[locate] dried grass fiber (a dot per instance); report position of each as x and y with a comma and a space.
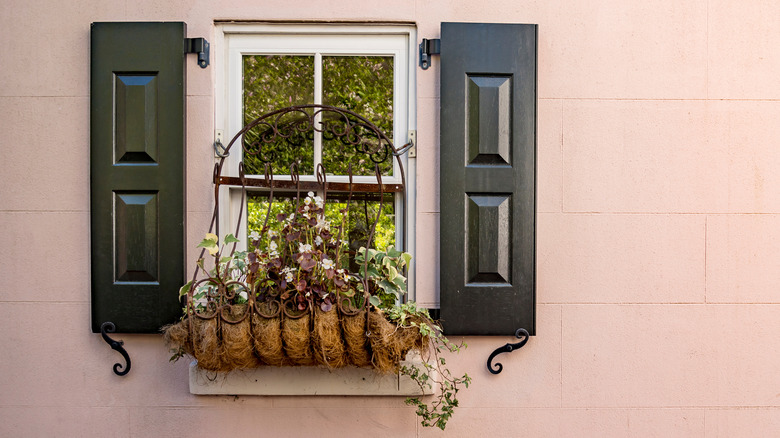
356, 343
296, 335
328, 347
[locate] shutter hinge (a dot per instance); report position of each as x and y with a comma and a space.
428, 48
413, 141
199, 46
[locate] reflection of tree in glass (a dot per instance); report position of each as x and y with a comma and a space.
363, 84
272, 82
357, 227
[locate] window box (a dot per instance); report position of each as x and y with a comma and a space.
305, 381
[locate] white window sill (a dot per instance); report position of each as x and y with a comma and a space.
303, 381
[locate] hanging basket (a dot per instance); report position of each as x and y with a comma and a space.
331, 339
272, 328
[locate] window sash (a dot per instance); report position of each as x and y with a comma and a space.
398, 40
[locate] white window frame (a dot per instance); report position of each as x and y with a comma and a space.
233, 40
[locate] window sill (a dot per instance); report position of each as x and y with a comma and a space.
304, 381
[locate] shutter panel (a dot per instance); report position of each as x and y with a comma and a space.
488, 178
137, 174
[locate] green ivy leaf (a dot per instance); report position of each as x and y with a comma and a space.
184, 289
392, 252
231, 239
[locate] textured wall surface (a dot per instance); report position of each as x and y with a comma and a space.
658, 229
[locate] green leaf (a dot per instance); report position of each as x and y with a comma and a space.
391, 272
392, 252
184, 289
230, 239
373, 299
386, 286
400, 282
407, 258
205, 243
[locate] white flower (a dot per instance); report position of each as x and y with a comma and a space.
288, 277
328, 264
304, 247
254, 235
310, 194
318, 240
272, 234
332, 241
322, 224
318, 201
340, 271
308, 294
273, 254
273, 246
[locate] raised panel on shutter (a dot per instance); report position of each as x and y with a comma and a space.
137, 174
488, 178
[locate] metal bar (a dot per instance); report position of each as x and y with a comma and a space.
310, 185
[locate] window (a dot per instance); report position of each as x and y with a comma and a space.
367, 69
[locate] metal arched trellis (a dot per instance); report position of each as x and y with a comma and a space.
261, 141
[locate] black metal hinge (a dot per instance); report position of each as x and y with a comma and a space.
199, 46
428, 48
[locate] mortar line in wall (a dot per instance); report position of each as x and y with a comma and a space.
44, 211
561, 357
667, 213
704, 421
626, 408
563, 160
67, 96
661, 99
43, 302
705, 258
707, 52
659, 303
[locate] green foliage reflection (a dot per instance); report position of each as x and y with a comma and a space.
272, 82
361, 215
363, 84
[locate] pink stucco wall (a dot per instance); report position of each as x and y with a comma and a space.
658, 229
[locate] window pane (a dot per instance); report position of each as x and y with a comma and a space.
272, 82
358, 221
363, 84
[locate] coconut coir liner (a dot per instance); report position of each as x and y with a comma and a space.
237, 351
267, 337
328, 347
296, 335
355, 342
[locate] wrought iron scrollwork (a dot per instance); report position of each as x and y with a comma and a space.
261, 141
116, 345
521, 334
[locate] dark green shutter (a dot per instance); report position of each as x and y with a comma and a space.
137, 174
488, 178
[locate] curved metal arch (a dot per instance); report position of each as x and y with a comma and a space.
308, 123
351, 123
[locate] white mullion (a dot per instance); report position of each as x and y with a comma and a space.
318, 101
